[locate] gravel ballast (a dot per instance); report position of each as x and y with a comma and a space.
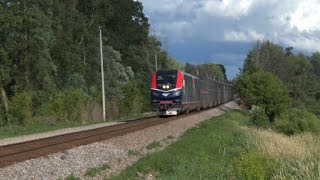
117, 153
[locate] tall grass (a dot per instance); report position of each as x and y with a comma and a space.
298, 156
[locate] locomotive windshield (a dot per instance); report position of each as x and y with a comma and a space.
166, 79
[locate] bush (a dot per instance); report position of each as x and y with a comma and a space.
65, 105
258, 117
131, 103
296, 121
265, 90
20, 108
3, 118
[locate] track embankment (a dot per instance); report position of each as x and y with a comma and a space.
114, 151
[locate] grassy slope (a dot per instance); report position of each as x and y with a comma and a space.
203, 152
225, 147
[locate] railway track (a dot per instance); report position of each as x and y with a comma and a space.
10, 154
13, 153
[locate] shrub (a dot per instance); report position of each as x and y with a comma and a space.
265, 90
131, 103
3, 118
65, 105
258, 117
296, 121
20, 108
74, 102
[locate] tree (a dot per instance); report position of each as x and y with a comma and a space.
315, 61
49, 48
265, 90
268, 57
6, 21
207, 70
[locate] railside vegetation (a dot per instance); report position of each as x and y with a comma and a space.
204, 152
281, 88
229, 147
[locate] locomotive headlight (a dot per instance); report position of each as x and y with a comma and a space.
167, 86
164, 86
177, 93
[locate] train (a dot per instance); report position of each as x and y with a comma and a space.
174, 92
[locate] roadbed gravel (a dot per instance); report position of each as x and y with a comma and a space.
118, 153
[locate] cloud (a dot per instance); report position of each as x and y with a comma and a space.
303, 15
293, 23
248, 36
236, 20
227, 8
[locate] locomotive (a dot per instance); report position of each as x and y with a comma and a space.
174, 92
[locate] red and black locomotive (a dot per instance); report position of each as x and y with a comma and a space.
174, 92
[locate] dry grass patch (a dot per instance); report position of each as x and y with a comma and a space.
298, 155
301, 146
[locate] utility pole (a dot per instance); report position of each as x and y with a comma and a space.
102, 79
156, 57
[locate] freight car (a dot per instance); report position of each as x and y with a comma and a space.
174, 92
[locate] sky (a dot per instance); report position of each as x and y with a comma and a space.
223, 31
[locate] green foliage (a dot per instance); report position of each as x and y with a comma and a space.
296, 121
20, 108
268, 57
174, 64
253, 164
258, 117
298, 72
315, 61
3, 118
265, 90
51, 48
207, 70
4, 68
65, 106
96, 170
131, 100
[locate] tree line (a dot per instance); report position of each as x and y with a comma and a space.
50, 60
281, 88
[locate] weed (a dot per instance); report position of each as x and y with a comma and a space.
153, 145
170, 137
253, 164
72, 177
133, 153
96, 170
